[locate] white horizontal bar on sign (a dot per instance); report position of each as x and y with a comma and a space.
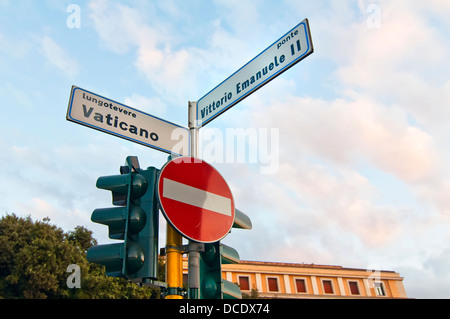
196, 197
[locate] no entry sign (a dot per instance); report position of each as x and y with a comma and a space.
196, 200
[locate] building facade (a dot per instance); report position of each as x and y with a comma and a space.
288, 280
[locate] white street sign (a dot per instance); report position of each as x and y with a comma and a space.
284, 53
97, 112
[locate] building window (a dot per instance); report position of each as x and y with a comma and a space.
379, 289
272, 283
300, 284
327, 286
244, 283
354, 289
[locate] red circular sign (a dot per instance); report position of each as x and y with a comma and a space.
196, 200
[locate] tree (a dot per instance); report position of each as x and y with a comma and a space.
34, 262
254, 294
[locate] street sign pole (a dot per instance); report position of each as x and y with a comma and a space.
174, 239
194, 248
174, 263
284, 53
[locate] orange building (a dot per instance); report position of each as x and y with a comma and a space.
288, 280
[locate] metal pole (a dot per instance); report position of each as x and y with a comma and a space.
174, 264
194, 254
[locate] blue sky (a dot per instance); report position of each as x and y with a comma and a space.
362, 146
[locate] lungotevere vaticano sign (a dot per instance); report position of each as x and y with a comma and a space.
100, 113
196, 200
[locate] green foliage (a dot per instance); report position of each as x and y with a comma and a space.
34, 257
254, 294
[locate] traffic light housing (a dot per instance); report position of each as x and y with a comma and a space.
212, 286
134, 220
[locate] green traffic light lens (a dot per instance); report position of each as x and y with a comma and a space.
135, 258
139, 186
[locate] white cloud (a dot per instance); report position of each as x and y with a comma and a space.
322, 206
152, 105
310, 196
40, 209
65, 218
21, 97
58, 57
400, 62
126, 31
363, 175
388, 113
176, 71
170, 71
242, 17
344, 131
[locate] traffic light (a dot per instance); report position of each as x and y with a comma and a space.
134, 220
212, 286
